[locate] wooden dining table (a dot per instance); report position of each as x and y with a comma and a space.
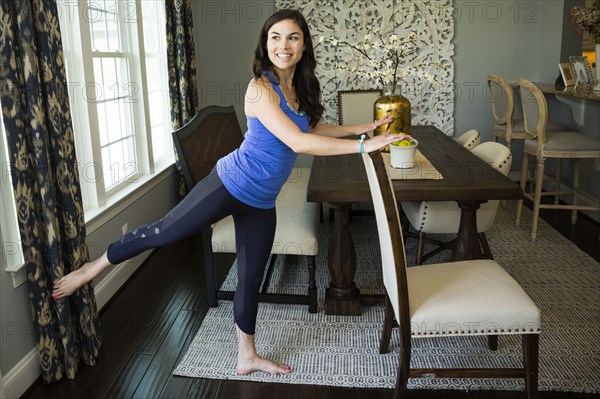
341, 181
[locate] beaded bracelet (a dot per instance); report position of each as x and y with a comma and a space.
361, 144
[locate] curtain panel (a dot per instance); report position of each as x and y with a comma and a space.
37, 118
181, 64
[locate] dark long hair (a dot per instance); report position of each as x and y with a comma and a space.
305, 82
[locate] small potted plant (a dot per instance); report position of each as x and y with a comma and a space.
402, 153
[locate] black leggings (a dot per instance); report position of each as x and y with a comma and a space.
208, 202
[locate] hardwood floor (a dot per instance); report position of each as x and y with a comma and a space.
148, 326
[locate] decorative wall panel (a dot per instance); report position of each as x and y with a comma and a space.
350, 20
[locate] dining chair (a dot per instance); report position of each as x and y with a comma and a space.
213, 133
469, 139
475, 298
542, 144
443, 217
356, 106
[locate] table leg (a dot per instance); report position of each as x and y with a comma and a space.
342, 297
467, 245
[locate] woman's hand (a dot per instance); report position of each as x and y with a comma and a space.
382, 140
367, 127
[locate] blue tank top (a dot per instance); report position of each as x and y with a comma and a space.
255, 172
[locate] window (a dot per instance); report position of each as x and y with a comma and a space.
11, 238
115, 58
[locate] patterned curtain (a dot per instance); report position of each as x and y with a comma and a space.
37, 118
181, 59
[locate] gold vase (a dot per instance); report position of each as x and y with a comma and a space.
392, 103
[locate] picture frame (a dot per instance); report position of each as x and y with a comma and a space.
567, 74
580, 67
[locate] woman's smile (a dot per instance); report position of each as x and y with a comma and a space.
285, 44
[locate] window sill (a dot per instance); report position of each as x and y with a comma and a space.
117, 202
95, 218
18, 274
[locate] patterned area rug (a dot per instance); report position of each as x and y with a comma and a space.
343, 351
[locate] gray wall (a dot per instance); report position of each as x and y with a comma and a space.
225, 34
495, 37
16, 334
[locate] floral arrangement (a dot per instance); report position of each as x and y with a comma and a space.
587, 19
385, 60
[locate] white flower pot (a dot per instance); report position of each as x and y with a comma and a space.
403, 157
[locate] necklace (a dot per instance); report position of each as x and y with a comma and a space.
288, 98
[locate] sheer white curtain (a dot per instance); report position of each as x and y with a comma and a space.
2, 394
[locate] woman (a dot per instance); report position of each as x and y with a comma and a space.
283, 112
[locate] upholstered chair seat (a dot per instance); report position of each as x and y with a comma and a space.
297, 221
560, 142
468, 298
518, 130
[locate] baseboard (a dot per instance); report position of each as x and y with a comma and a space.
20, 377
18, 380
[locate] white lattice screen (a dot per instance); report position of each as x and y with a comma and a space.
430, 20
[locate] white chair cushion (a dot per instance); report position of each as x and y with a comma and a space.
468, 298
446, 218
563, 141
519, 128
297, 221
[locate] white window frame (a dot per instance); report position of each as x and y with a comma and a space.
12, 252
78, 54
99, 204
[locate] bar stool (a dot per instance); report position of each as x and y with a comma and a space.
542, 144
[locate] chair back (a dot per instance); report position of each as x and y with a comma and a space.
502, 98
391, 243
495, 154
469, 139
499, 157
535, 110
356, 106
211, 134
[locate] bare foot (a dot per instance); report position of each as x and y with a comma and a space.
259, 363
248, 361
66, 285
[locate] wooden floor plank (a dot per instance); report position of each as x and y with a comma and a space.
161, 325
202, 388
163, 361
176, 386
133, 372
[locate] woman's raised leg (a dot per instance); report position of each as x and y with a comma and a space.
208, 202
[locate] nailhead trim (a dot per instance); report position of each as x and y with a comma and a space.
476, 332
